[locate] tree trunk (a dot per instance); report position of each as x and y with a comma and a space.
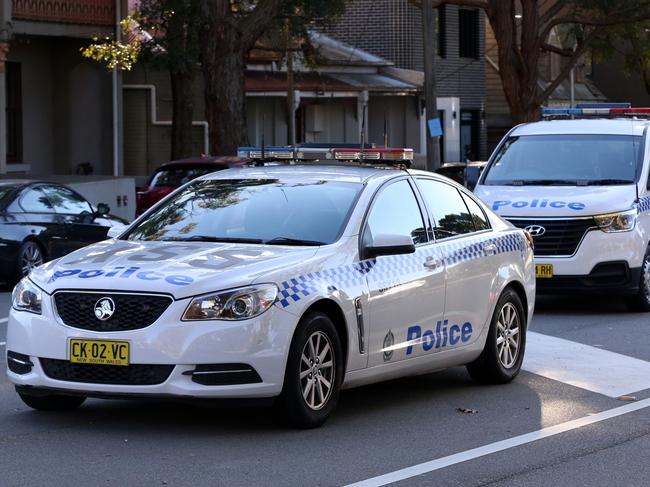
182, 113
224, 67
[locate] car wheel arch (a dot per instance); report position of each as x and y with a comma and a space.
335, 313
518, 288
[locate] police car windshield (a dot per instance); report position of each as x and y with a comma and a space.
253, 211
578, 159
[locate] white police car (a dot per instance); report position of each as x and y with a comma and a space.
582, 189
288, 282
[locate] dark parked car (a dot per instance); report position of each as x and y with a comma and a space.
465, 173
41, 221
173, 174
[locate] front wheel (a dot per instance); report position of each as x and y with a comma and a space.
641, 300
313, 374
503, 354
30, 256
52, 402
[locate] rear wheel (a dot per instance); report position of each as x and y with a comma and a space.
641, 300
30, 255
52, 402
503, 354
313, 374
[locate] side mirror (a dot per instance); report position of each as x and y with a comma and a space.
102, 209
390, 244
116, 231
470, 176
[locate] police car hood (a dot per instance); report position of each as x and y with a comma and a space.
181, 269
556, 201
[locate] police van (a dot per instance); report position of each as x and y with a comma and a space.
287, 282
579, 183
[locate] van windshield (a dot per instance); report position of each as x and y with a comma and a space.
566, 159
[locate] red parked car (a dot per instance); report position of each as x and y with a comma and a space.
173, 174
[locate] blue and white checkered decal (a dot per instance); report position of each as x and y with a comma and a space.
644, 204
350, 276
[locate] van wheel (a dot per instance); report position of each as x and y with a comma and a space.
641, 300
52, 402
313, 375
503, 354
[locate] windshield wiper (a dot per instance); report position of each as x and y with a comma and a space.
208, 238
293, 241
544, 182
599, 182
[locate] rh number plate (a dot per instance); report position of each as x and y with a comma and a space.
99, 352
543, 270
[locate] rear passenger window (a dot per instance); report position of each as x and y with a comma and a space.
478, 215
450, 214
35, 201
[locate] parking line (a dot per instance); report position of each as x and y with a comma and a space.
584, 366
2, 343
4, 320
427, 467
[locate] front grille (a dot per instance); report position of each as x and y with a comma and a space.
561, 238
133, 375
132, 311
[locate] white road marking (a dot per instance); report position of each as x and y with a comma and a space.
427, 467
590, 368
2, 343
4, 320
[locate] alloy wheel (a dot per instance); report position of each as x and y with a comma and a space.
30, 258
317, 369
508, 336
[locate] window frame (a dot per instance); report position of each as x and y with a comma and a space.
432, 220
418, 199
90, 206
24, 193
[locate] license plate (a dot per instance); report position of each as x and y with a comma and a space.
543, 270
101, 352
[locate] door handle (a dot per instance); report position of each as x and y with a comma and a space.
431, 263
490, 248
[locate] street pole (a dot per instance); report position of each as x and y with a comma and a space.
290, 88
430, 48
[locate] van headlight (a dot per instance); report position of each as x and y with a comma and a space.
236, 304
26, 296
617, 222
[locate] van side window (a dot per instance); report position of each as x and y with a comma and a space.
449, 211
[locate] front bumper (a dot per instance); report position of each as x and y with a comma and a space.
606, 278
180, 348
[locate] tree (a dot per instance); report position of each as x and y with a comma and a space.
165, 35
230, 29
522, 29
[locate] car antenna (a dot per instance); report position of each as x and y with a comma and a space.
261, 161
385, 132
363, 132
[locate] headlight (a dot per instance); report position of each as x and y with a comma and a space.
236, 304
617, 222
27, 297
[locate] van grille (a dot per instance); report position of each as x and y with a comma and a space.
561, 237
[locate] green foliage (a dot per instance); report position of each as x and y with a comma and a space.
163, 33
115, 54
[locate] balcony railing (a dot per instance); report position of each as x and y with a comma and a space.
90, 12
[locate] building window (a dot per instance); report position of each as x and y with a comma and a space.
469, 134
468, 35
14, 113
442, 31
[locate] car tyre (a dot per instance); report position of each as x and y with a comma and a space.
52, 402
503, 353
640, 302
315, 360
30, 255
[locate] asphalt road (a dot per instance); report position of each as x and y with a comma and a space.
376, 430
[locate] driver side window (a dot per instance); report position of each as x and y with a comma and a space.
66, 201
396, 211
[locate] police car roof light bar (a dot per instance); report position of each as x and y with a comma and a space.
328, 153
610, 112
